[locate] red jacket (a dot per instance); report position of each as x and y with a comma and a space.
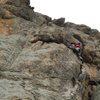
78, 46
75, 44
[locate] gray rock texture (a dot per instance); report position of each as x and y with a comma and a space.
35, 62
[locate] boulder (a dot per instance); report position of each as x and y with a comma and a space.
86, 29
22, 11
83, 28
59, 22
20, 8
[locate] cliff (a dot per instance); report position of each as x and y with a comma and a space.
35, 63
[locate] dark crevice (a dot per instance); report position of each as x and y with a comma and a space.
94, 82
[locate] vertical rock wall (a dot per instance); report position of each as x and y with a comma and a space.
35, 63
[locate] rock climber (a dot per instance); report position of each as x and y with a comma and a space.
73, 44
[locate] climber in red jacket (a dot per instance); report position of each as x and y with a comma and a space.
75, 46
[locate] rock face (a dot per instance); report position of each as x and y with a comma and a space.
59, 22
19, 8
36, 64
